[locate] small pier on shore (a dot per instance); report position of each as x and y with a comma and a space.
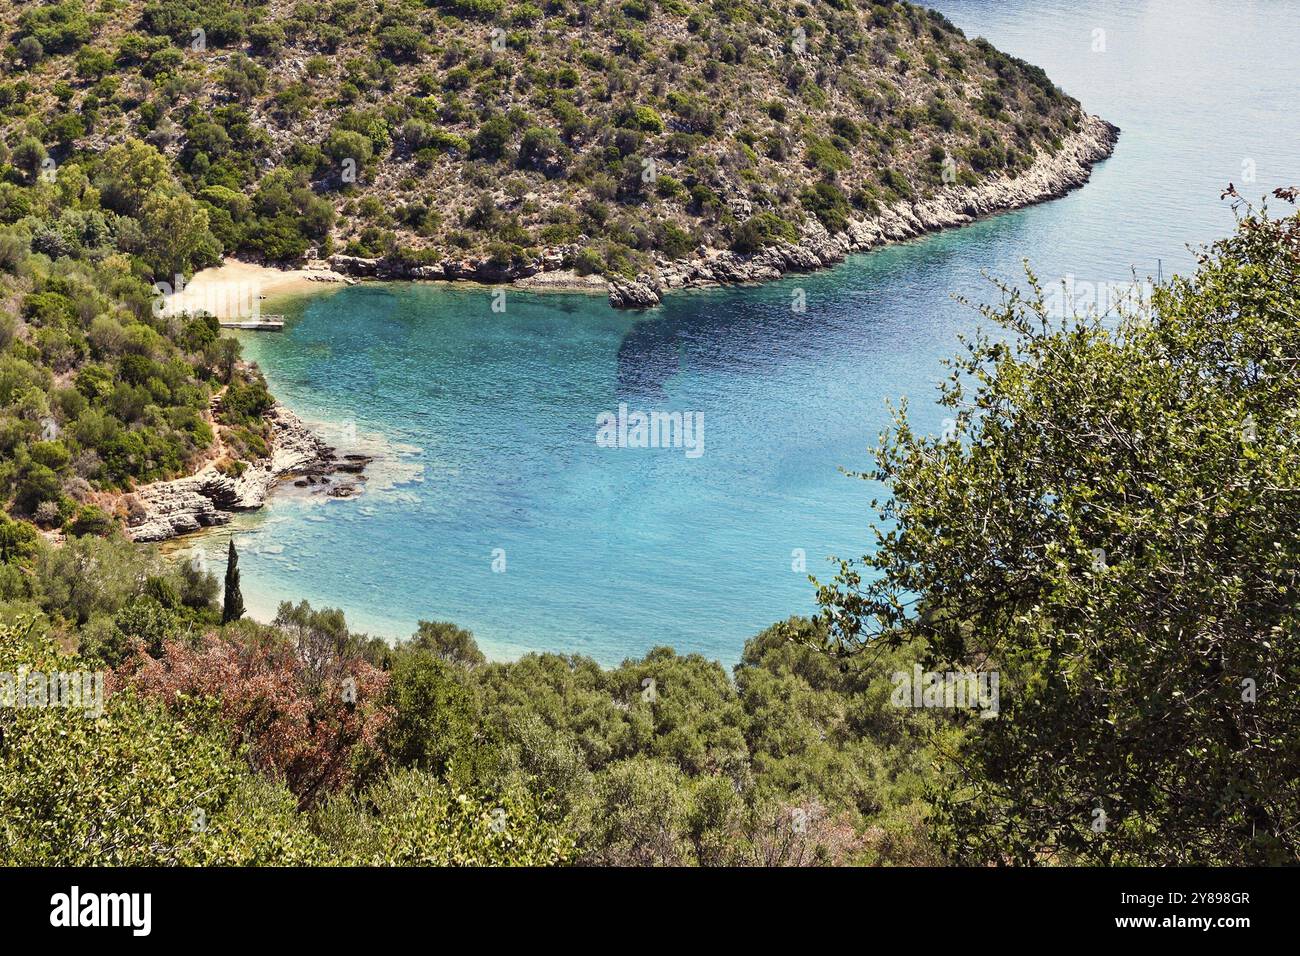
263, 323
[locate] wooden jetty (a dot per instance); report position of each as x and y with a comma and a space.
263, 323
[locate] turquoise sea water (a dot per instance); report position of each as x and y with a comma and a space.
486, 422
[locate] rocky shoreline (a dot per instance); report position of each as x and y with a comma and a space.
211, 497
1049, 177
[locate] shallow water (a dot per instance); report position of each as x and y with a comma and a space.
486, 422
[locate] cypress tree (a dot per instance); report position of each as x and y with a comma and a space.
232, 608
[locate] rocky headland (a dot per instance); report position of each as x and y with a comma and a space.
1051, 175
212, 497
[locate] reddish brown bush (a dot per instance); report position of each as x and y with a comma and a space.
315, 727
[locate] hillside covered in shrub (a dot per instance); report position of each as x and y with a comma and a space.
99, 391
418, 130
301, 742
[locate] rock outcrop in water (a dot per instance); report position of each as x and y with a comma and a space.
211, 497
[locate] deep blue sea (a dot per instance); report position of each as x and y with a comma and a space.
486, 421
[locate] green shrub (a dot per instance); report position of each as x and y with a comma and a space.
827, 202
57, 28
492, 138
589, 261
760, 231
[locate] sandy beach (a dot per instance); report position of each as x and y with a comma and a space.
235, 289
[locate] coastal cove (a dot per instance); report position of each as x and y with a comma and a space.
483, 423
